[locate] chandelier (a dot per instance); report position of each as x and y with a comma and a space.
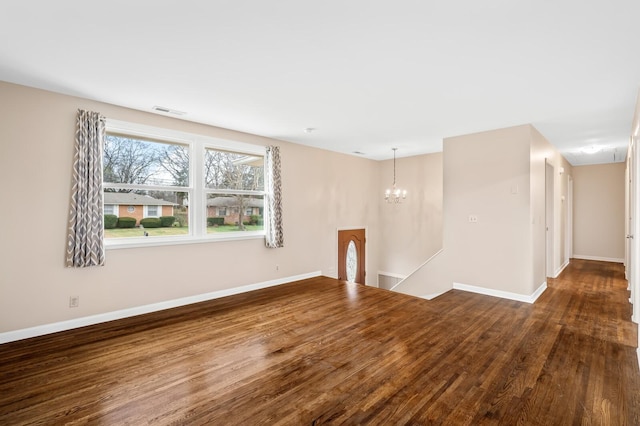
395, 194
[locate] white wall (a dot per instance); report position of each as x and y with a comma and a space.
322, 191
599, 216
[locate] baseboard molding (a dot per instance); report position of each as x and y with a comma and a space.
433, 295
502, 294
602, 259
41, 330
559, 271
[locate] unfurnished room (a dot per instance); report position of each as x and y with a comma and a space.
306, 213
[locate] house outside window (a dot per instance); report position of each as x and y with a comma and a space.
222, 211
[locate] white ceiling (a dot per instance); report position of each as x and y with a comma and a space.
368, 75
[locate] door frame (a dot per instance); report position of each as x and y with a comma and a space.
549, 206
632, 239
366, 252
569, 221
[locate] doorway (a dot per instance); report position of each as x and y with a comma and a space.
569, 226
351, 255
549, 219
631, 254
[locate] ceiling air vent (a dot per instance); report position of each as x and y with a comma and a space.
168, 110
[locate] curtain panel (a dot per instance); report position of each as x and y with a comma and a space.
274, 236
85, 242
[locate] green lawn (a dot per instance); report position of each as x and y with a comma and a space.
159, 232
232, 228
137, 232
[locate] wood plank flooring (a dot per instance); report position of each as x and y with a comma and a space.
321, 351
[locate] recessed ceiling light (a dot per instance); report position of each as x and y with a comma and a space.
358, 152
592, 149
309, 129
168, 110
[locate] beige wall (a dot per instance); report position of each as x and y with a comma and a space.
411, 232
542, 152
497, 176
599, 216
487, 175
322, 191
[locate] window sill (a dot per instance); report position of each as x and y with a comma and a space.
173, 241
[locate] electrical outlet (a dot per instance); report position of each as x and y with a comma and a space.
473, 218
277, 267
74, 301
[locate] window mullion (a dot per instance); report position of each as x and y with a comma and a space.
197, 208
145, 187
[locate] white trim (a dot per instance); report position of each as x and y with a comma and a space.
419, 267
116, 209
392, 275
145, 211
41, 330
559, 271
602, 259
177, 136
433, 295
136, 242
502, 294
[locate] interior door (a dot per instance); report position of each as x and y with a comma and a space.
351, 255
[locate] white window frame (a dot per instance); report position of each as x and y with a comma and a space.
116, 209
196, 188
145, 213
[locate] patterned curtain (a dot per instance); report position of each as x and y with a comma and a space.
274, 237
85, 242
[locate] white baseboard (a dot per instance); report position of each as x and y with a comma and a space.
502, 294
559, 271
41, 330
602, 259
433, 295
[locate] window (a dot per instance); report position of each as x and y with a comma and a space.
110, 209
195, 179
153, 211
248, 212
234, 181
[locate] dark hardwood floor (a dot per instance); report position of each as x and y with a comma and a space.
322, 351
